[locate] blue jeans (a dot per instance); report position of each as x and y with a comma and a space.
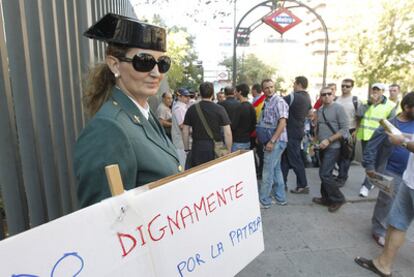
272, 175
383, 206
329, 188
292, 158
402, 212
366, 182
240, 146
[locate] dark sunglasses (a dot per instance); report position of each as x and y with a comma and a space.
346, 86
325, 94
144, 62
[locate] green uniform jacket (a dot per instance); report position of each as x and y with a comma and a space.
120, 134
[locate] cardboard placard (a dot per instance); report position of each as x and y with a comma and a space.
206, 222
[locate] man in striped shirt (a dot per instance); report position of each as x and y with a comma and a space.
273, 120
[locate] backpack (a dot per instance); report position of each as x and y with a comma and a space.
355, 102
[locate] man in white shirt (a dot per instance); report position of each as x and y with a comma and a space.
164, 112
395, 93
350, 104
399, 218
178, 113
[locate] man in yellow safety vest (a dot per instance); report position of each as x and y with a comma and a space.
377, 107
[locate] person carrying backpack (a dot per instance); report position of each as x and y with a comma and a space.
350, 104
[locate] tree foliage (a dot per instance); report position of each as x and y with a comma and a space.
251, 70
384, 52
196, 9
186, 70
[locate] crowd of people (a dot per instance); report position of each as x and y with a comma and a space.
284, 132
288, 132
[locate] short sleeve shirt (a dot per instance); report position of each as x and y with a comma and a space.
215, 115
275, 108
163, 112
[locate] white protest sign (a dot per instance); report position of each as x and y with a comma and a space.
207, 223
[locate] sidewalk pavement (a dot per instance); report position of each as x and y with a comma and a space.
303, 239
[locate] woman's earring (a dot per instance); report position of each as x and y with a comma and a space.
117, 75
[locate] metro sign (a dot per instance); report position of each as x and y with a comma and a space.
281, 20
223, 75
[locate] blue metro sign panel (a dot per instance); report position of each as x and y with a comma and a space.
281, 20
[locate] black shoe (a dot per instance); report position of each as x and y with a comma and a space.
340, 182
335, 207
304, 190
320, 201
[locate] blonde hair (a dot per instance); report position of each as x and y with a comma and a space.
100, 81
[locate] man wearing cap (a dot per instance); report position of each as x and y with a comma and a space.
178, 113
376, 108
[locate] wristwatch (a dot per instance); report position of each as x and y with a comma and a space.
272, 141
404, 144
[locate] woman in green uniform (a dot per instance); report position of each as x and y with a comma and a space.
122, 129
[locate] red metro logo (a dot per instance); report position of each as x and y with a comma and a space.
281, 20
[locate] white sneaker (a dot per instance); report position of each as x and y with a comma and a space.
363, 192
264, 206
274, 201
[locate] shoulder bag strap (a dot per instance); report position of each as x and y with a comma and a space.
204, 121
327, 122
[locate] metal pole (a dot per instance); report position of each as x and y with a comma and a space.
325, 60
235, 39
234, 45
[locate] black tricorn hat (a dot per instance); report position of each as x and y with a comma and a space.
118, 29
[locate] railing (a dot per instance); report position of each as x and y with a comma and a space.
44, 58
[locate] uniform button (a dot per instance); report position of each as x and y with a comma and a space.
115, 103
180, 168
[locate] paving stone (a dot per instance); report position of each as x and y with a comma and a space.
284, 242
305, 240
270, 264
322, 263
